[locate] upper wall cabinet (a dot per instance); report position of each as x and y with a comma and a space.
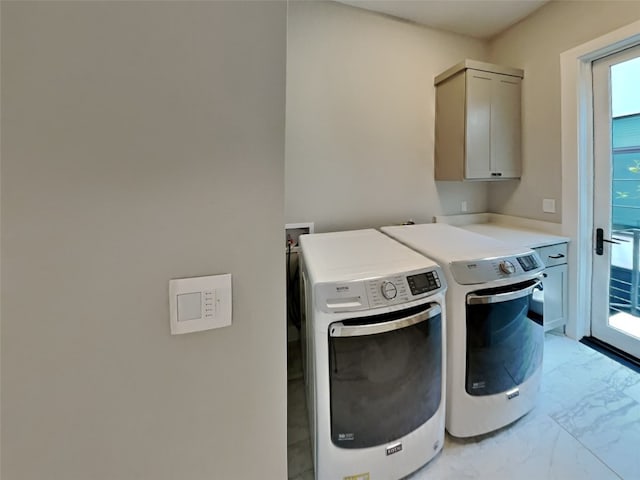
478, 122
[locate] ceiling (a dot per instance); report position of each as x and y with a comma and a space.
476, 18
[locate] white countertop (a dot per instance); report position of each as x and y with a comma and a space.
447, 243
513, 230
357, 255
517, 236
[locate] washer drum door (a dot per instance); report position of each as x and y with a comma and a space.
504, 338
385, 375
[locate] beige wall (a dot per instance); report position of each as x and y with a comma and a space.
359, 148
360, 118
141, 141
535, 45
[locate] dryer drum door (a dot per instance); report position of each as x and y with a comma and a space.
385, 375
504, 338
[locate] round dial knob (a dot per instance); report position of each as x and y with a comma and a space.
389, 290
507, 267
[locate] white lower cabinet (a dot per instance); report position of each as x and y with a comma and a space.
555, 297
555, 285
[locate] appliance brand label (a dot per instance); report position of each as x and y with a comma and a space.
394, 449
346, 437
512, 393
359, 476
344, 288
476, 385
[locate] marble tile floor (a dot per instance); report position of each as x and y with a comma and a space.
586, 426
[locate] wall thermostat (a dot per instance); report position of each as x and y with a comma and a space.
199, 303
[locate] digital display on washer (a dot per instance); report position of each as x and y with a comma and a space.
528, 263
423, 282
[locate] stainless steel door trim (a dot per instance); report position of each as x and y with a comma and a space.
473, 299
339, 329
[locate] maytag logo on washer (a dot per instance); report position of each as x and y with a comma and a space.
512, 393
342, 288
346, 437
394, 449
359, 476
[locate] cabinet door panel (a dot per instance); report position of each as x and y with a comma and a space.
555, 297
478, 126
505, 126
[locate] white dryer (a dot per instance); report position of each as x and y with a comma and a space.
494, 336
373, 355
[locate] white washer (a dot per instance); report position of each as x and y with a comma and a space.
494, 336
373, 355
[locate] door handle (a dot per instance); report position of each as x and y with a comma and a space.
339, 329
477, 299
600, 241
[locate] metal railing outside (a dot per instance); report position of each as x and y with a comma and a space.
623, 292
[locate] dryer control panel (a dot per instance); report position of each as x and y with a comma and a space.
379, 292
471, 272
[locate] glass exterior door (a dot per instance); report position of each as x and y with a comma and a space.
616, 272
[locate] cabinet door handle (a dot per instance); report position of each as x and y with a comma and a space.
555, 257
496, 174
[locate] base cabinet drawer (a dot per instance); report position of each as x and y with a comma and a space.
553, 254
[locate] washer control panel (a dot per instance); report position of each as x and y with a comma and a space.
423, 282
488, 269
389, 290
379, 292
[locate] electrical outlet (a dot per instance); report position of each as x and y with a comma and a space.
549, 205
463, 206
292, 234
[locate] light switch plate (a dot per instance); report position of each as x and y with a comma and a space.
199, 303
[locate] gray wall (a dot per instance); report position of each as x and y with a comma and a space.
360, 118
535, 44
141, 141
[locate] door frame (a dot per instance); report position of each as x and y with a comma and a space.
577, 165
